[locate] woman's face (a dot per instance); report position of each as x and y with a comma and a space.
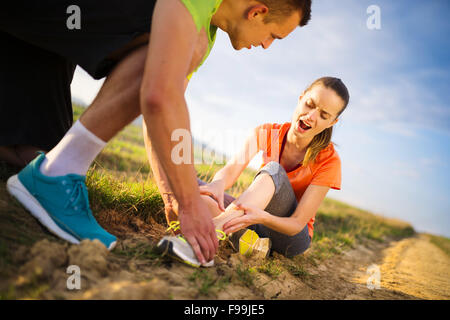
317, 110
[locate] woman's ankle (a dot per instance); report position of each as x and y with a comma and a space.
229, 214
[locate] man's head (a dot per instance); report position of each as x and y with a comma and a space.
260, 22
280, 9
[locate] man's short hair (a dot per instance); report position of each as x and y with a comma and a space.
283, 8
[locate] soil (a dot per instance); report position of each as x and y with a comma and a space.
412, 268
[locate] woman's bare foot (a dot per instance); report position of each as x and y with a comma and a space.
229, 214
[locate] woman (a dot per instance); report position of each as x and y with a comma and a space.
300, 165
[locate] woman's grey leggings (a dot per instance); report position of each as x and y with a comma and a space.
283, 204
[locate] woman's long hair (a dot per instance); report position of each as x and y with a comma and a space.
322, 140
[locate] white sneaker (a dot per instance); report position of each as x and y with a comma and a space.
177, 247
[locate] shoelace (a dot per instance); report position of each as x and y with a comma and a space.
175, 225
79, 197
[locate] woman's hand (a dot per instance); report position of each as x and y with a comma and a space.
252, 215
216, 190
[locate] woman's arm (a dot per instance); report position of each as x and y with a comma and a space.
306, 209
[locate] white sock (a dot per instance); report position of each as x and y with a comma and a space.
74, 153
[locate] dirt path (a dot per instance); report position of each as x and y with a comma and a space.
413, 267
417, 267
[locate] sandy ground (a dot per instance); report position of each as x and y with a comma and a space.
412, 268
416, 267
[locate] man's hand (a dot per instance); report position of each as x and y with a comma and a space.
198, 229
216, 190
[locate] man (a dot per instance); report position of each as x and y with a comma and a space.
147, 70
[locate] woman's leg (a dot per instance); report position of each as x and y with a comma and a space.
283, 204
258, 194
271, 190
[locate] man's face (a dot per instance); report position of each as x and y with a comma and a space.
253, 32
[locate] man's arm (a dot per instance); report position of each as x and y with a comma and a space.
170, 203
172, 42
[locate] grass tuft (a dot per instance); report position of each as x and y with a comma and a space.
271, 268
206, 283
245, 275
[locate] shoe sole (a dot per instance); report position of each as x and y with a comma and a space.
167, 247
18, 191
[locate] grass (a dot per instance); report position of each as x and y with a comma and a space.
271, 267
339, 226
206, 283
297, 270
245, 275
140, 251
126, 195
441, 242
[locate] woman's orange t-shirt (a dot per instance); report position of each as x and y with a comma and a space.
324, 171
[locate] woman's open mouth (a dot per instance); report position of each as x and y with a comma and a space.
302, 127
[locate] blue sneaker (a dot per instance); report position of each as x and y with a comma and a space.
61, 204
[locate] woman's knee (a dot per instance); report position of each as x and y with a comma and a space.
283, 202
277, 173
296, 251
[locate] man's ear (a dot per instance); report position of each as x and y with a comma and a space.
257, 10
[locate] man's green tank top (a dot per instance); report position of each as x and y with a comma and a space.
202, 12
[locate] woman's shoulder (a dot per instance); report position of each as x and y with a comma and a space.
267, 133
273, 126
269, 129
328, 153
270, 125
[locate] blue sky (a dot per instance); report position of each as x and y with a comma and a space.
393, 138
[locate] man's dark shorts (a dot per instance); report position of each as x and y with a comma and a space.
39, 53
